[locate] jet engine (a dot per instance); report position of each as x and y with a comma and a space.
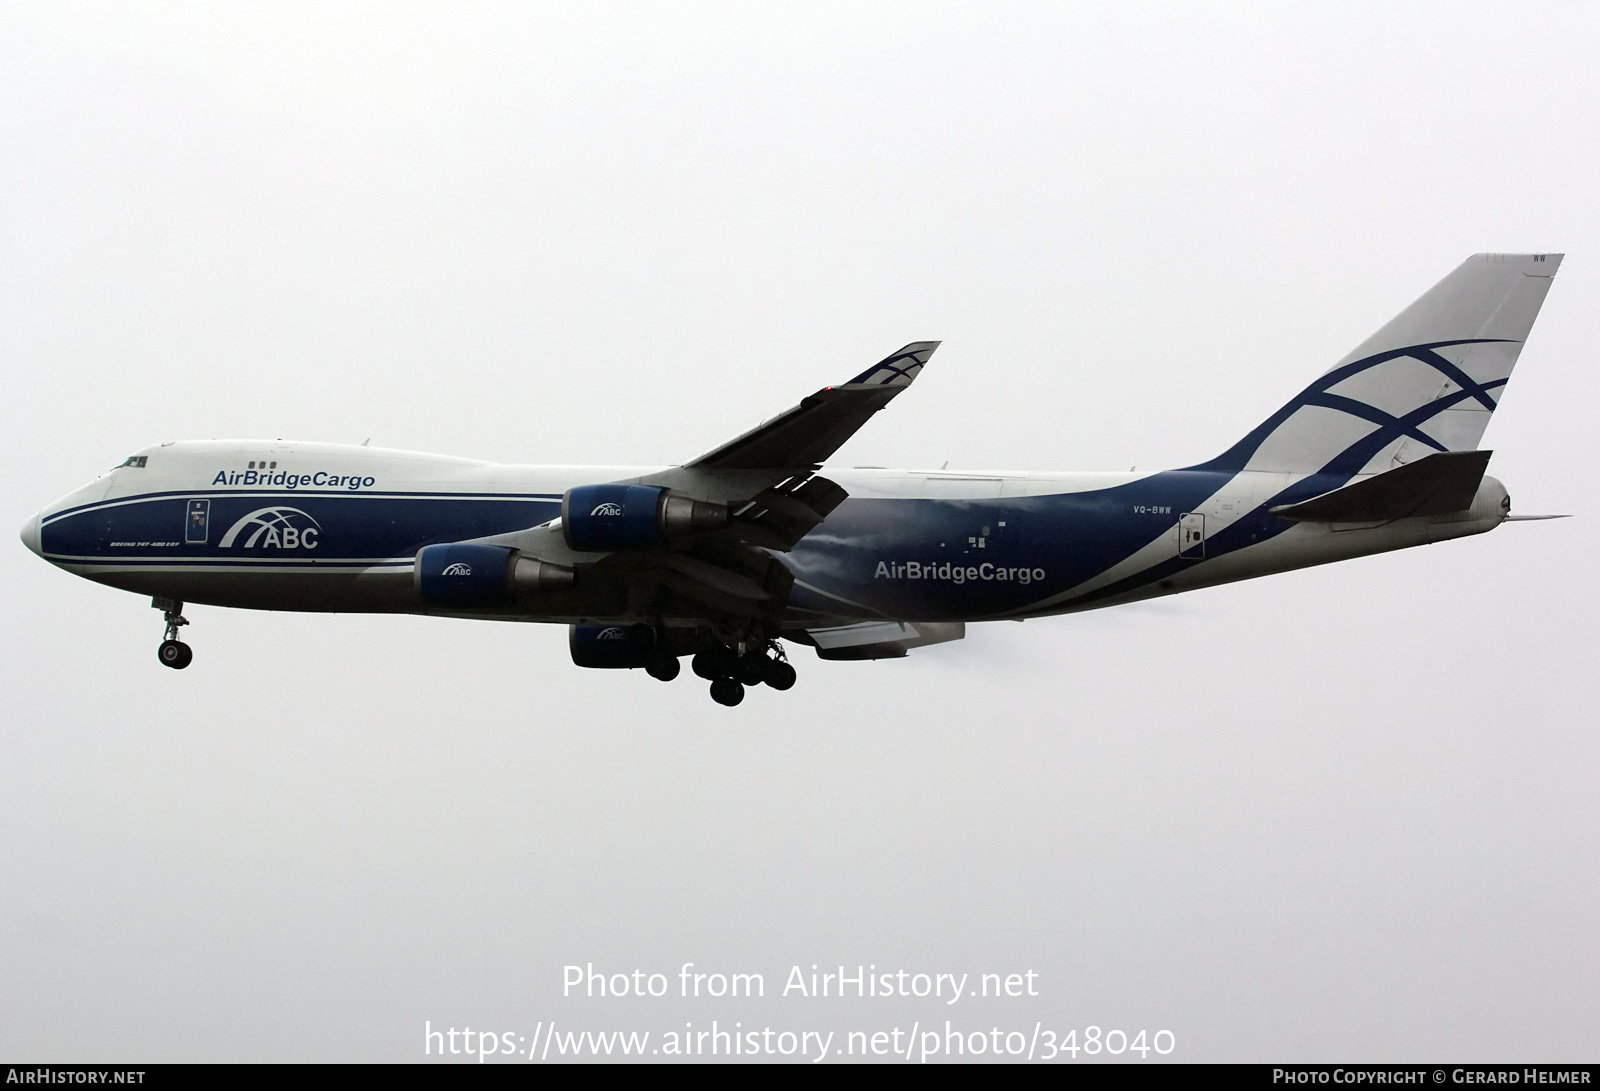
611, 646
602, 518
471, 574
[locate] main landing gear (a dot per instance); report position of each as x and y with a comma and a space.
662, 665
173, 652
729, 672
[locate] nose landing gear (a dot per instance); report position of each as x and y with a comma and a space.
173, 652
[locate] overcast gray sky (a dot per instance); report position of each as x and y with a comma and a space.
1335, 814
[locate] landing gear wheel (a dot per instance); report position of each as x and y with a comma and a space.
714, 663
780, 676
175, 654
662, 665
752, 669
727, 691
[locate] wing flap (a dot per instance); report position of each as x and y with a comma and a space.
882, 639
780, 516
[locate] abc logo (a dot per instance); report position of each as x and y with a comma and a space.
274, 528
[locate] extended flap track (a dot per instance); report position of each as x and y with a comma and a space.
779, 517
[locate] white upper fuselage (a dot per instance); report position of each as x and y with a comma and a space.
298, 525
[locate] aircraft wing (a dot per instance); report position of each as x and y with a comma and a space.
804, 437
767, 476
766, 480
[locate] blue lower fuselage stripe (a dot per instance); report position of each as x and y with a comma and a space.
285, 494
305, 528
916, 559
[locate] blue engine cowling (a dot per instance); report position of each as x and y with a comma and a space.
611, 647
454, 574
600, 518
603, 518
472, 574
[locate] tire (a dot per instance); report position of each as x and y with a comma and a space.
662, 666
726, 691
752, 669
780, 675
714, 663
175, 654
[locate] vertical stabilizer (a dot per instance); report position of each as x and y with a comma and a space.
1424, 383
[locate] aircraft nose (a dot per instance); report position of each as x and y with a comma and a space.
30, 534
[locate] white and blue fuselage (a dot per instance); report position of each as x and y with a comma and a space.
332, 527
758, 539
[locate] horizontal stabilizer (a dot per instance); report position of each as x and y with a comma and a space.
1436, 485
882, 639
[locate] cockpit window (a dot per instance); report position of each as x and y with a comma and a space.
136, 461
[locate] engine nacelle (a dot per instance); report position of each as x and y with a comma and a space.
611, 647
472, 574
602, 518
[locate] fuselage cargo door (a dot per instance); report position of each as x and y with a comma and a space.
1192, 536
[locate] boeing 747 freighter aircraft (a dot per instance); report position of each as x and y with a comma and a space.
721, 557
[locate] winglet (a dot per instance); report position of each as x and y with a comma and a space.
803, 437
898, 369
